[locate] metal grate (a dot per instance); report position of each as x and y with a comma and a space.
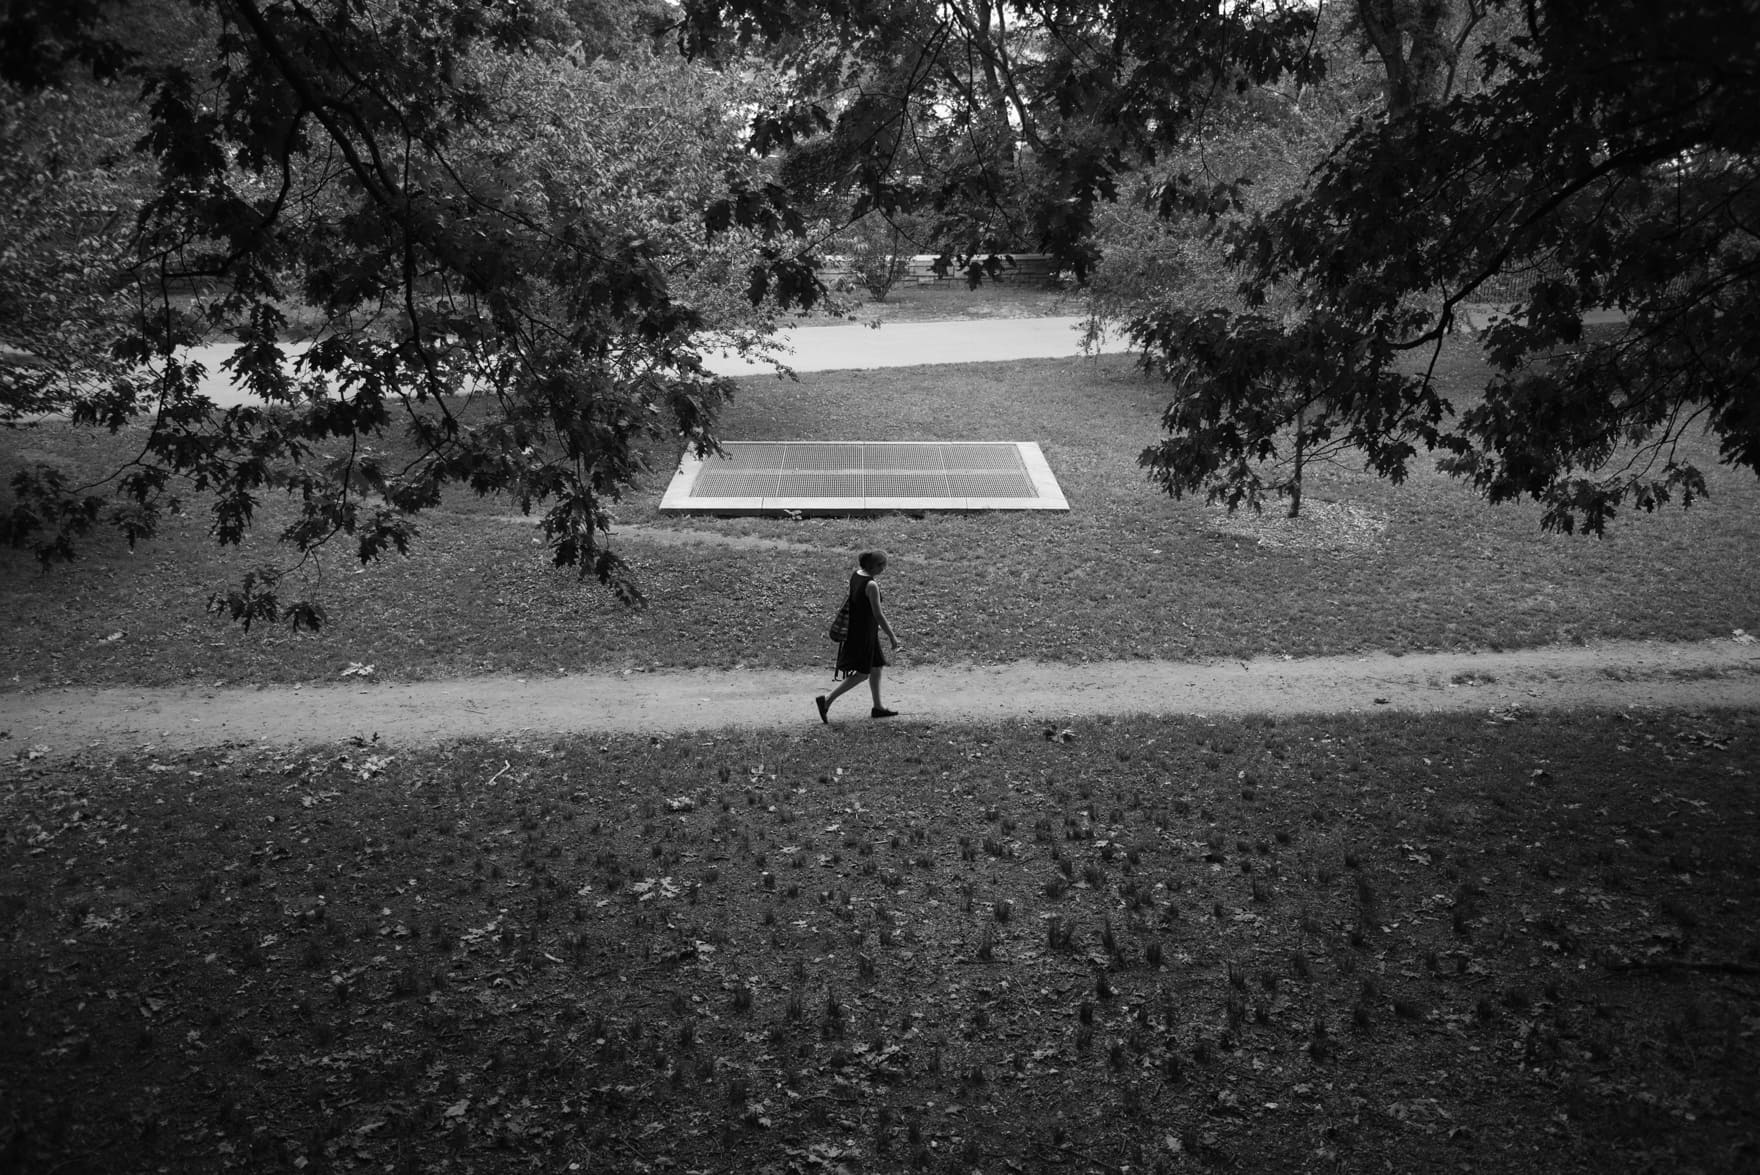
756, 477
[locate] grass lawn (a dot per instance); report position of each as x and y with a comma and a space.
1353, 944
1519, 944
1126, 573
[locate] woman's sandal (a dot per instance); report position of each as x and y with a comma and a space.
881, 712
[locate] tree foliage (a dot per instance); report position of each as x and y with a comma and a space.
515, 225
1001, 124
644, 143
497, 314
69, 186
1260, 145
1606, 160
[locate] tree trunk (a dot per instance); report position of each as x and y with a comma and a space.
1295, 481
1412, 40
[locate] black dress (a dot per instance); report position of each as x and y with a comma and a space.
861, 651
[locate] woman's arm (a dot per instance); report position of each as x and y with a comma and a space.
874, 603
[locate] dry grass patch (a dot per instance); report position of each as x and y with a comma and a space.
1335, 527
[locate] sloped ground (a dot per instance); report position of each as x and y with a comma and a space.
1489, 912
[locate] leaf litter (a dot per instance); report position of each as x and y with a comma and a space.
1278, 945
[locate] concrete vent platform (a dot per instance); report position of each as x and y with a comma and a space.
860, 477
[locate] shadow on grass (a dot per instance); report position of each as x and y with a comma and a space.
1355, 944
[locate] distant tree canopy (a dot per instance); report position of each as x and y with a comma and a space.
998, 124
498, 312
516, 223
1607, 159
1562, 155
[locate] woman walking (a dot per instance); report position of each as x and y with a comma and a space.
860, 658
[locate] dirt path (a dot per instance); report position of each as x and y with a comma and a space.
1619, 676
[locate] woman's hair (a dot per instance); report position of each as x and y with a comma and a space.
872, 561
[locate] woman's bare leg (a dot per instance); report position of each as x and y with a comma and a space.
874, 685
846, 685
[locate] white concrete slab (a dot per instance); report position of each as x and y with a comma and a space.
1002, 505
864, 466
1039, 469
801, 505
880, 504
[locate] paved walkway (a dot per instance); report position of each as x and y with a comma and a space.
1480, 316
829, 348
911, 344
850, 345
